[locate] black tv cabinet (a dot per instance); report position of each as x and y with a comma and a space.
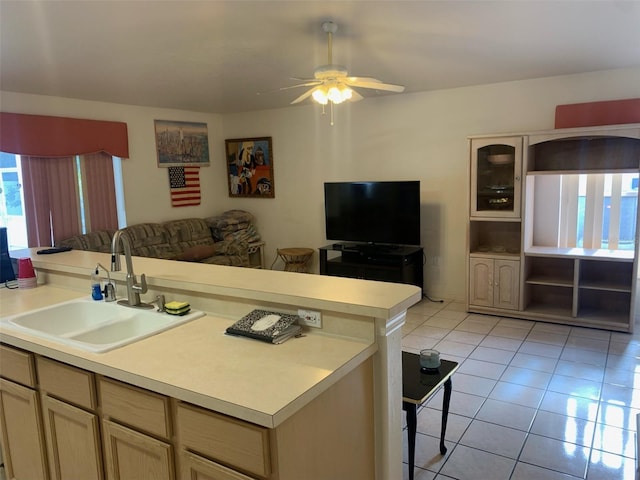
399, 264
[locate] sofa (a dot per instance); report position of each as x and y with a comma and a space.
219, 240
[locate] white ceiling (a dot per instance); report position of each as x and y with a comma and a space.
215, 56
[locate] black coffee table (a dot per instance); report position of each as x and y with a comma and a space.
417, 388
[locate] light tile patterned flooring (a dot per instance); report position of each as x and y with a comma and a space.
531, 400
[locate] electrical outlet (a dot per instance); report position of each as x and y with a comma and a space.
310, 318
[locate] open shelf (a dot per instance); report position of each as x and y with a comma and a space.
585, 154
549, 299
608, 276
495, 237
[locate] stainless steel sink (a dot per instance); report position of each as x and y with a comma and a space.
94, 326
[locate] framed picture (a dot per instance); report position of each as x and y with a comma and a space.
182, 144
250, 167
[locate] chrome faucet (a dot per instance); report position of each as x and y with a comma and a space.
133, 288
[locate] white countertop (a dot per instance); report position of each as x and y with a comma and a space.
196, 362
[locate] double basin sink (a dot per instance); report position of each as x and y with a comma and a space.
94, 326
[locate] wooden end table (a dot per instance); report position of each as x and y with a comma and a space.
417, 388
295, 259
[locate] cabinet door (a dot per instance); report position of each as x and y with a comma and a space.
506, 275
132, 455
194, 467
481, 281
73, 441
22, 436
496, 174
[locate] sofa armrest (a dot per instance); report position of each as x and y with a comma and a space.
232, 247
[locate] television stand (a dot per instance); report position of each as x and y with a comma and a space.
399, 264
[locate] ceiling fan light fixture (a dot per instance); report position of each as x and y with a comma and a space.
320, 96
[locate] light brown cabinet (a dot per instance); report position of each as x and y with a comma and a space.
194, 467
23, 444
137, 432
98, 428
130, 454
71, 424
494, 282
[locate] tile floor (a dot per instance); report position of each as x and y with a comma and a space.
530, 401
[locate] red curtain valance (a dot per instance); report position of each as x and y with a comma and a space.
44, 136
610, 112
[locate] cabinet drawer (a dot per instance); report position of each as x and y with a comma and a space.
17, 365
136, 407
67, 383
233, 442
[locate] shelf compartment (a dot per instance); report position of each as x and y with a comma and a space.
552, 271
585, 154
549, 300
494, 237
607, 276
604, 306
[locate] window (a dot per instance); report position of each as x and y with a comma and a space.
594, 210
11, 201
65, 197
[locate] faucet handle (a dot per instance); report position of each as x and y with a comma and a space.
142, 286
161, 302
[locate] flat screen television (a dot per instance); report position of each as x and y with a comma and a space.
373, 212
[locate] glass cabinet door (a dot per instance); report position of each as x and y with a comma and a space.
496, 169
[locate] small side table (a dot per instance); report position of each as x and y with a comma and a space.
295, 259
256, 254
417, 388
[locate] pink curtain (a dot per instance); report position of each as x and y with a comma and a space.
100, 187
50, 196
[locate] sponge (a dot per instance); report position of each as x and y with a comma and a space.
177, 308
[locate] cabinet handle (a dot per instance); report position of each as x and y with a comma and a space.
517, 178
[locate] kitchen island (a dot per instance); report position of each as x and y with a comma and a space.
313, 397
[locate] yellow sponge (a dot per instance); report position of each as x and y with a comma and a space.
175, 305
177, 308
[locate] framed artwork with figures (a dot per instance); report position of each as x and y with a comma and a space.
250, 167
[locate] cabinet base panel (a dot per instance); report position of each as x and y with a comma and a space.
605, 321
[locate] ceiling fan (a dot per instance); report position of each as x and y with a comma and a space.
331, 83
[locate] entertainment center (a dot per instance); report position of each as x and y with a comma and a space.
399, 264
553, 226
378, 226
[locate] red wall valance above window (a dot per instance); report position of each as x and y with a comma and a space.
611, 112
44, 136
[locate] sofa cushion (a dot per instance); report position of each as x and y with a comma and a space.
146, 234
229, 222
193, 230
197, 253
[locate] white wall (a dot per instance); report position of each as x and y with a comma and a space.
420, 136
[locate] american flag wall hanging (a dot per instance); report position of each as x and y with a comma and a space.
184, 183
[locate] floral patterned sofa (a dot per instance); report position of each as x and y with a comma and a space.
220, 240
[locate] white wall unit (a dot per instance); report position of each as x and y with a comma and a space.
577, 268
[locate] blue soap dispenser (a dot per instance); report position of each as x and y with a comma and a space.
96, 290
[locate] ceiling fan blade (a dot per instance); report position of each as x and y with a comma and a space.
308, 84
305, 95
364, 82
355, 96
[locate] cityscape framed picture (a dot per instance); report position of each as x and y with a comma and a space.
250, 167
181, 144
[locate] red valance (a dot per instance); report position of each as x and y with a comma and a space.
611, 112
44, 136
